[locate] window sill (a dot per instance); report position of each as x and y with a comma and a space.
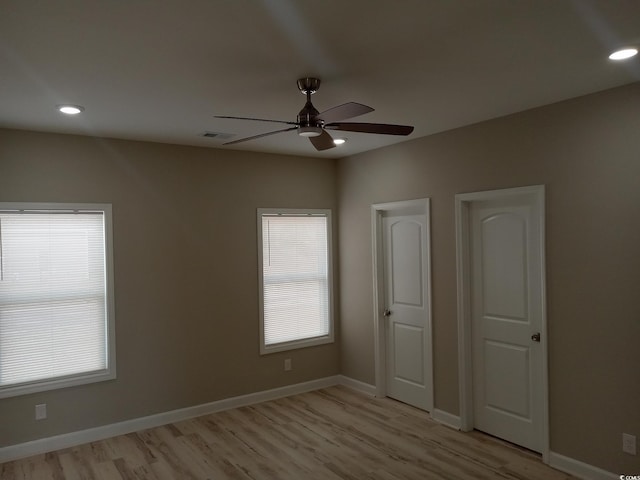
296, 344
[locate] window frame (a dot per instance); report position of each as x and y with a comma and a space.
109, 373
304, 342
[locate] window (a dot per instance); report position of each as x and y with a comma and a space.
295, 278
56, 301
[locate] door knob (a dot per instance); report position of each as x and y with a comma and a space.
386, 313
536, 337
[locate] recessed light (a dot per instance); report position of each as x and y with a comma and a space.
624, 54
339, 141
70, 109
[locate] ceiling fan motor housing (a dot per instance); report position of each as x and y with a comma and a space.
309, 125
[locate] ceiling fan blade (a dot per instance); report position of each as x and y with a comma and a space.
342, 112
382, 128
260, 136
256, 119
322, 141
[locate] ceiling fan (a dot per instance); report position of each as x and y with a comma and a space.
314, 125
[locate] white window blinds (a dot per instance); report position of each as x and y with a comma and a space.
53, 296
296, 303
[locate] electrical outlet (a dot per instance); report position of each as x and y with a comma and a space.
41, 411
629, 443
287, 364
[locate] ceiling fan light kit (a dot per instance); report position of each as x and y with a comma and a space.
310, 131
314, 125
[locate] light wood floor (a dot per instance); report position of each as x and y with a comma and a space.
334, 433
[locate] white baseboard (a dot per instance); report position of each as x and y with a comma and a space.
58, 442
559, 462
357, 385
579, 469
446, 418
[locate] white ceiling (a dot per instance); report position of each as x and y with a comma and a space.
159, 70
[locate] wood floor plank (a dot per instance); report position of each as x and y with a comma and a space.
70, 470
330, 434
53, 462
106, 470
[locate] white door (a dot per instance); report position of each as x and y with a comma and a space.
506, 318
406, 277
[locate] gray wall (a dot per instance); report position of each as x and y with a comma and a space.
587, 153
185, 261
186, 266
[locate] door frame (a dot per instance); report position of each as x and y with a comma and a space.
463, 204
419, 206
